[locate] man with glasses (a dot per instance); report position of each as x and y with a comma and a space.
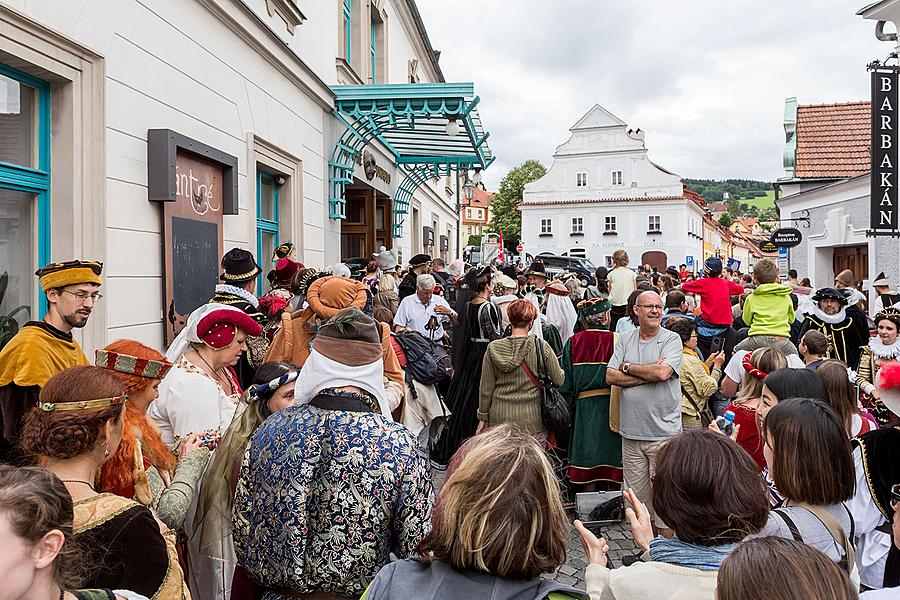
645, 364
43, 348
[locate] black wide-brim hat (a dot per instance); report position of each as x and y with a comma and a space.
536, 268
238, 266
419, 259
828, 293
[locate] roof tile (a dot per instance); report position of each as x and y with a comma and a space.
833, 140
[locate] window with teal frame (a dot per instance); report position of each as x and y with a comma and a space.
372, 51
348, 29
267, 188
24, 187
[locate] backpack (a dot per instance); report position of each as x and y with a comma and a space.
426, 362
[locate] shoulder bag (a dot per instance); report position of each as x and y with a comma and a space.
555, 411
705, 415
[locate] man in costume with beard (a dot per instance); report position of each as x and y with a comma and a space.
845, 327
43, 348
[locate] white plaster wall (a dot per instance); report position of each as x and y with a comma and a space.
631, 221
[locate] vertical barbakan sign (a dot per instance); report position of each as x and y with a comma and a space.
883, 218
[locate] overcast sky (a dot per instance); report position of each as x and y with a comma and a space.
705, 79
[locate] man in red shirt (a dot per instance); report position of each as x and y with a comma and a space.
715, 294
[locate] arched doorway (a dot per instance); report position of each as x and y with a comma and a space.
654, 258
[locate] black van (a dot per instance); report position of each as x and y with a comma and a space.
575, 264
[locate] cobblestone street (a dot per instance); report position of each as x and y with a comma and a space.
572, 572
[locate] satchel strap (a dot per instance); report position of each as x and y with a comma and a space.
531, 376
836, 530
689, 399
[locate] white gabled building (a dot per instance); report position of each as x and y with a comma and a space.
603, 193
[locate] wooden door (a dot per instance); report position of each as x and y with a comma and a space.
855, 258
654, 258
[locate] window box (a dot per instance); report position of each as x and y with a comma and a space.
545, 235
610, 233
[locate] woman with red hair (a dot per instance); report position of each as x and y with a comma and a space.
144, 468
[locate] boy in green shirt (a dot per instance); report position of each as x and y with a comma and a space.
768, 312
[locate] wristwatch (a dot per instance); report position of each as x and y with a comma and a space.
626, 367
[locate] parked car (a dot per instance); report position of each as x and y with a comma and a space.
556, 265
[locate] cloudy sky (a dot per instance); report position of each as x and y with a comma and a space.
705, 79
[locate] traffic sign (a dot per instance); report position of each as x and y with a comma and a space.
520, 248
689, 262
783, 252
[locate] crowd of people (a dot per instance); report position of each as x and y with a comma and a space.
288, 445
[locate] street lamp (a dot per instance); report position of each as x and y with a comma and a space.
477, 176
452, 127
469, 188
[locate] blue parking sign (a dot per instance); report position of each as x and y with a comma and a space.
689, 261
783, 253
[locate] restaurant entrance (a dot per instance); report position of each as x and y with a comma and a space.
368, 225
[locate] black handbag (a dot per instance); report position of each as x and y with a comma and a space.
555, 411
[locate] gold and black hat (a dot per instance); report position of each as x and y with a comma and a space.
239, 266
72, 272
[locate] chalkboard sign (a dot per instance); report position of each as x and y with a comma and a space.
192, 227
195, 263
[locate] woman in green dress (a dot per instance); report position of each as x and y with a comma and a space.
595, 451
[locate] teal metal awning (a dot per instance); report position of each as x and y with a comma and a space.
410, 121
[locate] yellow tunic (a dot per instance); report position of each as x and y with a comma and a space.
35, 355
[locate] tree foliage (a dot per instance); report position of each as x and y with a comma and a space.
738, 189
474, 240
507, 199
725, 220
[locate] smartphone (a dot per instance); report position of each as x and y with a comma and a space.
717, 344
596, 508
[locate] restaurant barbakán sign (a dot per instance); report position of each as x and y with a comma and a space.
883, 209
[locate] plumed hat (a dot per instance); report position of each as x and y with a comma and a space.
536, 268
132, 365
219, 327
283, 273
419, 259
828, 293
57, 275
238, 266
386, 260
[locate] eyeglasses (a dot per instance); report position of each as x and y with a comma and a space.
83, 296
650, 306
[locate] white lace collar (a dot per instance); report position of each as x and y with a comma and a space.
224, 288
504, 299
839, 317
882, 350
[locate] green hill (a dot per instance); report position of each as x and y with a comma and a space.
743, 190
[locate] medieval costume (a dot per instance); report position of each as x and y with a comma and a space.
877, 469
504, 292
886, 298
216, 502
190, 400
407, 286
122, 540
595, 451
847, 330
482, 327
560, 313
143, 467
875, 354
326, 296
329, 487
239, 268
36, 353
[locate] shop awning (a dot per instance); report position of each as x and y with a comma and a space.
410, 121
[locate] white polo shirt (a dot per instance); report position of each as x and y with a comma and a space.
414, 315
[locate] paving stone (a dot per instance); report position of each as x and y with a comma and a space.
567, 570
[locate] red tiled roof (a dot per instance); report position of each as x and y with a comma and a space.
480, 198
697, 198
747, 222
716, 207
833, 140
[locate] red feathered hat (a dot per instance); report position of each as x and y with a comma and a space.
219, 328
888, 382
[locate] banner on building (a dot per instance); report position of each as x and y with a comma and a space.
883, 187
